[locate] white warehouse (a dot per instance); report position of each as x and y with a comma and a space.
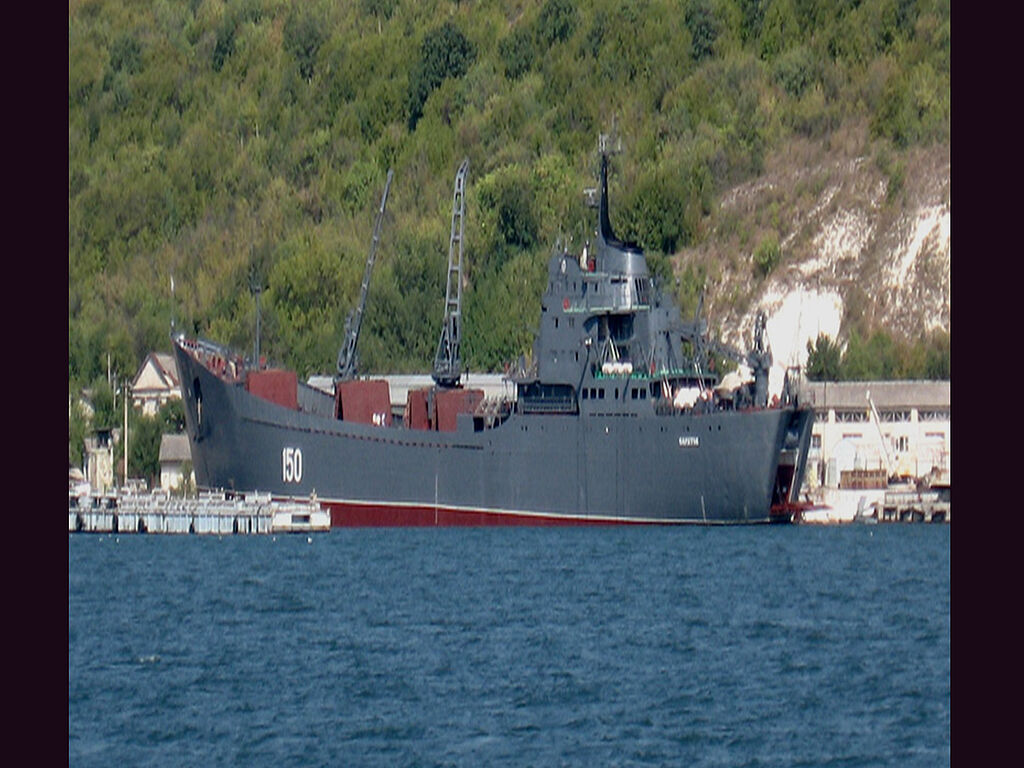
900, 427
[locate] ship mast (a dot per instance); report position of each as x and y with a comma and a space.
347, 354
447, 364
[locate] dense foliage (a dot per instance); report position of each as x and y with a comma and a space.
221, 147
877, 357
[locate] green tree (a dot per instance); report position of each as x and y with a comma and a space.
225, 45
78, 427
700, 20
824, 359
144, 434
556, 22
937, 358
657, 214
506, 208
172, 416
517, 53
445, 53
126, 54
874, 358
303, 36
104, 409
380, 9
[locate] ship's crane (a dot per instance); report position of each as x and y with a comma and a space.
759, 358
347, 355
447, 364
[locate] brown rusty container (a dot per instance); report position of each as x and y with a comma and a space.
365, 402
277, 386
417, 413
451, 402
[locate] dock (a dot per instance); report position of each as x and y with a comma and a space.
212, 513
898, 503
914, 506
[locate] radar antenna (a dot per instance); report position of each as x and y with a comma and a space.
347, 355
447, 365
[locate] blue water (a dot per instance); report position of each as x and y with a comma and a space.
761, 646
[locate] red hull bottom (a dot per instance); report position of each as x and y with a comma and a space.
383, 516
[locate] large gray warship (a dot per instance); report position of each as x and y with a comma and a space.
615, 419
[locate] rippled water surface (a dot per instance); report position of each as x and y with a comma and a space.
759, 646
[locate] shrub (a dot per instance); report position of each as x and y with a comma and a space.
767, 255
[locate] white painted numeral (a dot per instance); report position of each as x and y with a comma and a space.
291, 465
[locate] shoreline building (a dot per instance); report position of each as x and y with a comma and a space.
896, 428
156, 383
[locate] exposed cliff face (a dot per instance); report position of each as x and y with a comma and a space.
863, 239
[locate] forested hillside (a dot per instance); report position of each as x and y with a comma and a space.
221, 147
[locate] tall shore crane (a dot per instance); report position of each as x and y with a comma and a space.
347, 362
447, 363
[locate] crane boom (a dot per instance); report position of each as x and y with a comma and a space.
890, 466
347, 355
447, 364
759, 358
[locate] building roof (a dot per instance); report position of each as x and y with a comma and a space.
886, 395
175, 448
159, 371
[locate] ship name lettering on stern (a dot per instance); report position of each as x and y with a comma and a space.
291, 465
689, 441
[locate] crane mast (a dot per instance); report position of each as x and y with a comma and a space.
890, 465
759, 358
447, 364
347, 355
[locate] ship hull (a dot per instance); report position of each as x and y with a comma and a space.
551, 469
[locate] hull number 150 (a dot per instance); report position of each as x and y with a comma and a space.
291, 465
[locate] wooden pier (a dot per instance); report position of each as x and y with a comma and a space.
210, 514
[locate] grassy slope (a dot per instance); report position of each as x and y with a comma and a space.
222, 143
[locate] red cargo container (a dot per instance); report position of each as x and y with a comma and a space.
366, 402
449, 403
277, 386
417, 414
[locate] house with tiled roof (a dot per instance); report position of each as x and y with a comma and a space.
156, 383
